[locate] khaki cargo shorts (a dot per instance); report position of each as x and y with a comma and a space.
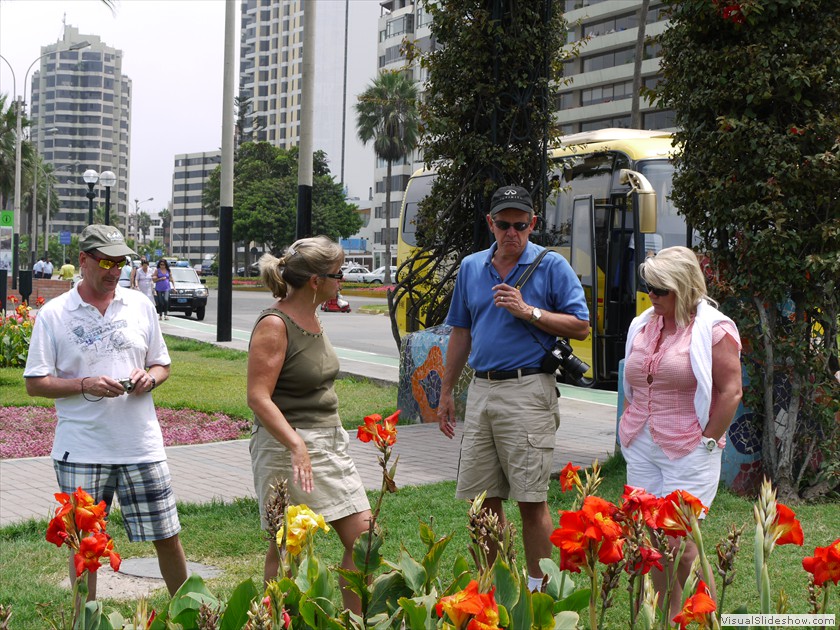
338, 488
508, 443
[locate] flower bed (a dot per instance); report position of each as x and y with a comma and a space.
29, 431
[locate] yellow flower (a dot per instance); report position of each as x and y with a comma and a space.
303, 523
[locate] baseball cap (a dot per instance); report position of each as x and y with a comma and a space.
511, 197
106, 239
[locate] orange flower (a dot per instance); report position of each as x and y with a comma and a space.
90, 517
467, 603
57, 530
91, 549
569, 477
570, 539
696, 608
600, 515
367, 431
824, 564
786, 528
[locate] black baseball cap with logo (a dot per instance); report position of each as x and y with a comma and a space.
511, 197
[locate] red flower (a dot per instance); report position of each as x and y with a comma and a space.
786, 527
796, 131
91, 549
673, 517
13, 299
590, 529
287, 620
57, 530
599, 514
696, 608
90, 517
39, 302
637, 501
733, 13
824, 564
384, 434
569, 477
570, 539
649, 558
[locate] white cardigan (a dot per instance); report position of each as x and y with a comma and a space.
700, 353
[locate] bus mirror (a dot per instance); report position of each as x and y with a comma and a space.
647, 198
647, 212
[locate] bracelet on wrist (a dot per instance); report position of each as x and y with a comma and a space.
154, 382
84, 394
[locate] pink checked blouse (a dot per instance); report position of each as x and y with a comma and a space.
664, 387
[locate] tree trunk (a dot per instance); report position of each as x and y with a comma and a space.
635, 113
386, 279
768, 439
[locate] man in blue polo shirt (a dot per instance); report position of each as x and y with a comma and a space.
512, 412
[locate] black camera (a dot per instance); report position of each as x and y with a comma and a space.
562, 356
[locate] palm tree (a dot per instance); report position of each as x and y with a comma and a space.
166, 220
387, 114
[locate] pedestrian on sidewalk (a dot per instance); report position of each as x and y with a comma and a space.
141, 279
682, 387
162, 277
98, 351
297, 433
505, 333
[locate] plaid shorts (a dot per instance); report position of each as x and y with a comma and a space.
144, 492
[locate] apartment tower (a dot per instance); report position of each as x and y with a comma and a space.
81, 119
193, 234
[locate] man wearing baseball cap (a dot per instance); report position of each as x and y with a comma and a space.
99, 352
505, 332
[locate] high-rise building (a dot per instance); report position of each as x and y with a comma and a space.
599, 94
81, 119
192, 232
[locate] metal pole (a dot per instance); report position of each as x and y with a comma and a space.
224, 312
90, 195
344, 88
304, 210
47, 218
16, 221
33, 220
107, 205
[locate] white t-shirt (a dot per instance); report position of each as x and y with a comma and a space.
125, 276
48, 269
38, 267
72, 339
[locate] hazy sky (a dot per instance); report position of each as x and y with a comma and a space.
173, 52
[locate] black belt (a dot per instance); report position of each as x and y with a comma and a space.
504, 375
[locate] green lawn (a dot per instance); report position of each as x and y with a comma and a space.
227, 535
213, 379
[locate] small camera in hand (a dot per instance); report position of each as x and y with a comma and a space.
562, 356
127, 384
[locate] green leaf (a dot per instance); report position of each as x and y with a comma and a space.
556, 577
418, 611
427, 534
183, 608
542, 610
461, 573
386, 591
413, 572
521, 615
566, 620
577, 601
357, 583
431, 561
236, 612
507, 584
360, 550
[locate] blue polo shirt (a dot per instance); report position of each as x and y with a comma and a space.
499, 340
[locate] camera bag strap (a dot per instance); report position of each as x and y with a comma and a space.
527, 273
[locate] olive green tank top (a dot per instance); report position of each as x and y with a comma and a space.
305, 391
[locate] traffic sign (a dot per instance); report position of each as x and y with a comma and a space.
7, 218
158, 253
64, 237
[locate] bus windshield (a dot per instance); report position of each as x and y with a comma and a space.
417, 190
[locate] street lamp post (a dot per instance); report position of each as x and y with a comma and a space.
91, 177
108, 179
19, 100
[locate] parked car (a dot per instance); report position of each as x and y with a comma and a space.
189, 293
207, 267
355, 273
377, 276
253, 270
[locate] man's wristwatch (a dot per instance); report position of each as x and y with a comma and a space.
154, 382
535, 316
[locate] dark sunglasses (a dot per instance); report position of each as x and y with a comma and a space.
334, 276
519, 226
655, 290
107, 264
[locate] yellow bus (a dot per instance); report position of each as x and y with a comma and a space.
601, 217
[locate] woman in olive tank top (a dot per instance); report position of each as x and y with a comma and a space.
297, 433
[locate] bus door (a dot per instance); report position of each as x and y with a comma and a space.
583, 262
620, 284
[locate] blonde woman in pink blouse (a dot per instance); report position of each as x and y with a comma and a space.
682, 380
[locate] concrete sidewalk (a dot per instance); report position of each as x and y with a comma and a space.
222, 470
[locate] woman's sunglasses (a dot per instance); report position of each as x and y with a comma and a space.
334, 276
108, 264
519, 226
655, 290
